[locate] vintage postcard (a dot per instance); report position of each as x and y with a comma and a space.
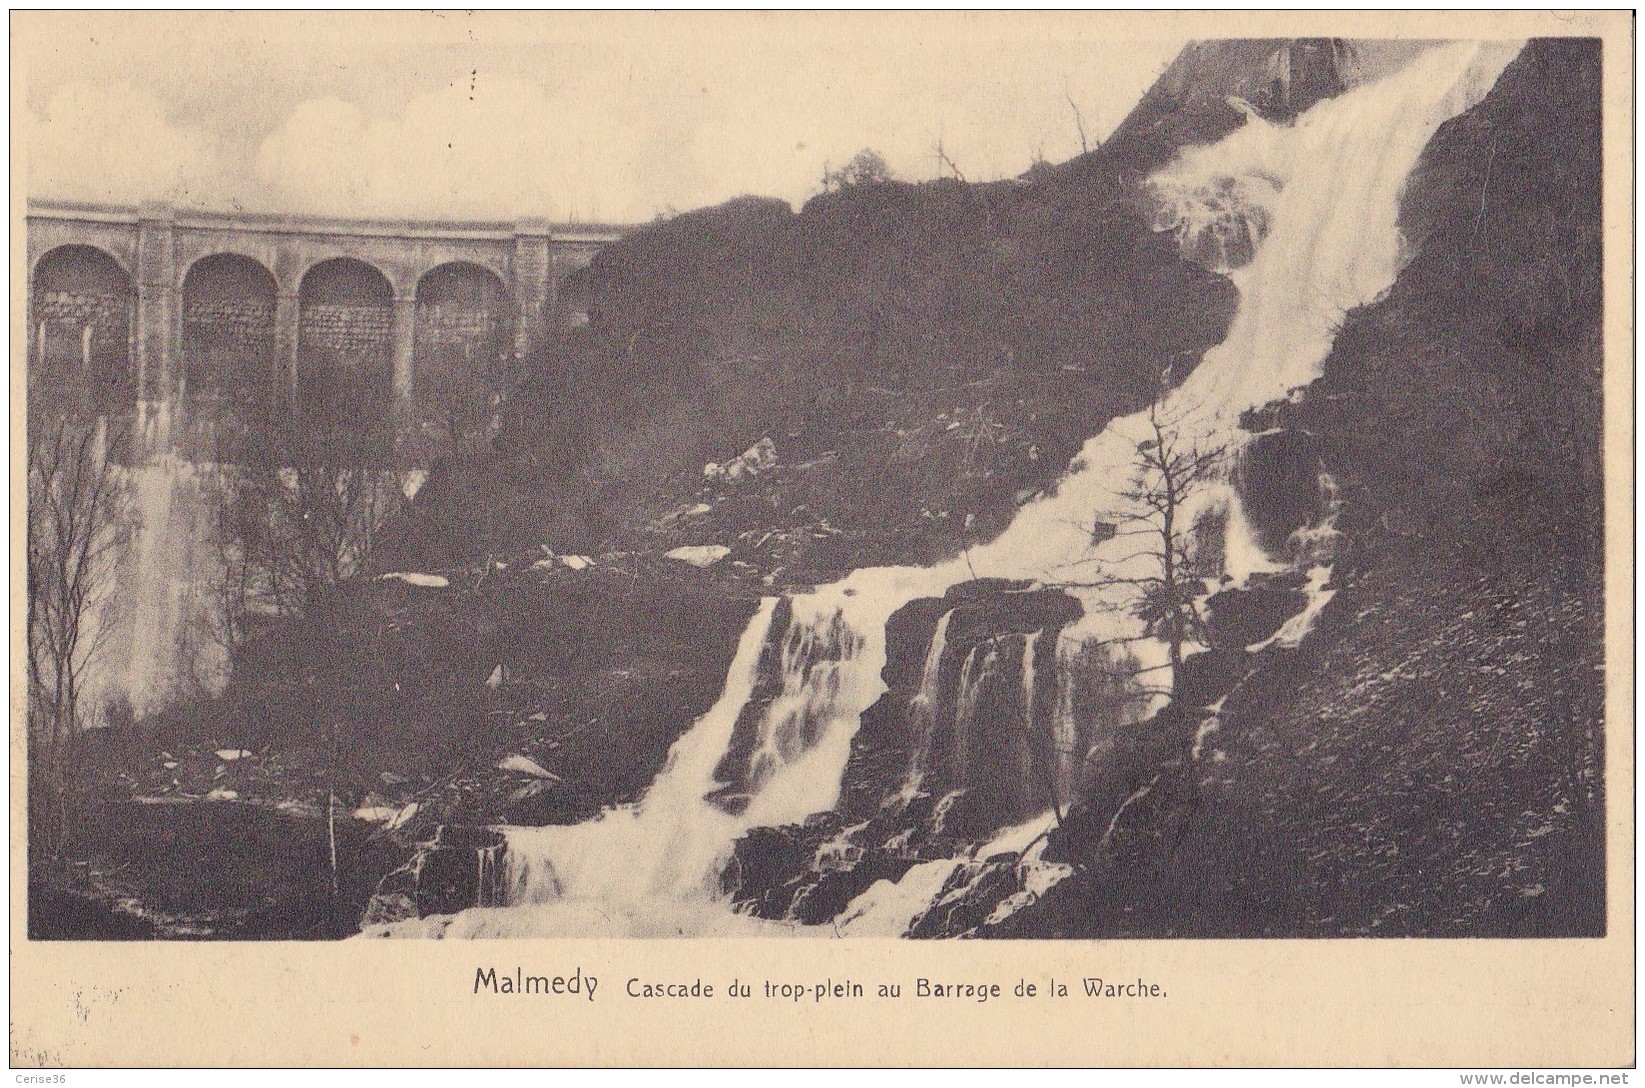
841, 538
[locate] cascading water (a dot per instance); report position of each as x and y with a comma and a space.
988, 752
162, 634
1025, 740
155, 637
980, 671
651, 868
1319, 200
1065, 735
923, 708
814, 660
1313, 548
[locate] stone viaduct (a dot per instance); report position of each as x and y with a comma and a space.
158, 304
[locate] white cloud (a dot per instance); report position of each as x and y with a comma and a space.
614, 132
491, 147
619, 137
115, 143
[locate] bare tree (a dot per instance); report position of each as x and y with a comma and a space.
1155, 511
294, 532
461, 389
303, 519
1079, 120
78, 527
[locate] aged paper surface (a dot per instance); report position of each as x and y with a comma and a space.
1544, 989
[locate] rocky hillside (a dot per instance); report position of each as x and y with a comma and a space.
1429, 760
921, 356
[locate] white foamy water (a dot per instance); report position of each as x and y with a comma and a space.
1323, 192
157, 634
889, 907
1025, 754
160, 634
922, 708
652, 868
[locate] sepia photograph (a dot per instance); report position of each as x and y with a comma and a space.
1065, 487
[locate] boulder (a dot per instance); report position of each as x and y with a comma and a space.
968, 898
699, 555
766, 866
1240, 617
1279, 484
759, 457
822, 898
520, 764
422, 581
1208, 676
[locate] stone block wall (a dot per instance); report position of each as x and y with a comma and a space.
227, 381
68, 313
345, 361
353, 336
240, 317
442, 326
460, 356
228, 344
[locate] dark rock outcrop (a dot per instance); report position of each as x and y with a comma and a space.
1188, 104
989, 762
1240, 617
461, 868
1002, 771
1279, 484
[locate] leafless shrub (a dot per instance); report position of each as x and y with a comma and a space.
79, 525
301, 521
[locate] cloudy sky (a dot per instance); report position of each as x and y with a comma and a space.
614, 117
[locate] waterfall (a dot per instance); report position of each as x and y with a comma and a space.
1066, 751
978, 672
922, 709
155, 610
815, 658
652, 867
1319, 200
1315, 544
1025, 740
163, 633
670, 838
156, 632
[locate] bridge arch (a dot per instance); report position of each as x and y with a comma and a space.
36, 259
459, 280
463, 344
345, 341
442, 262
227, 351
228, 303
82, 308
